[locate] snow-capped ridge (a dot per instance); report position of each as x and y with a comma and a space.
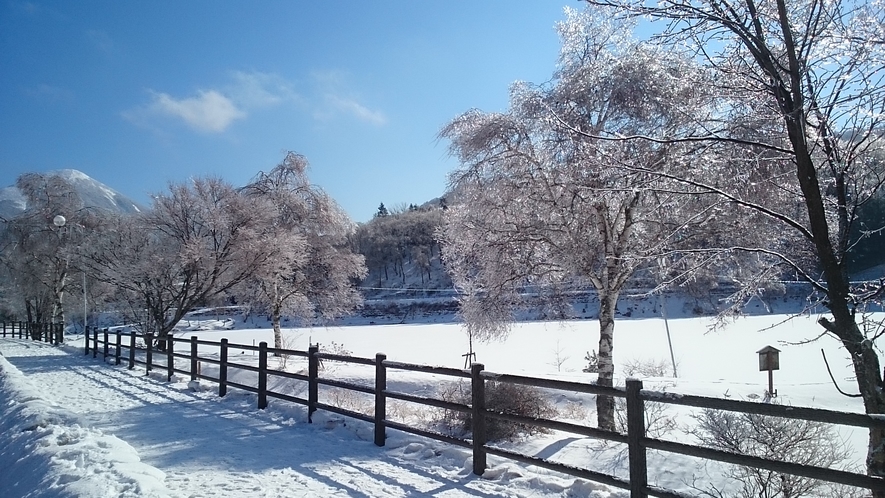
93, 193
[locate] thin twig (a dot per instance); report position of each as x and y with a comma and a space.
834, 379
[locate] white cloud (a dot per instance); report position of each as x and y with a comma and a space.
354, 108
333, 85
256, 90
209, 111
214, 110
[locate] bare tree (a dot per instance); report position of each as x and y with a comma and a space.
543, 207
801, 83
36, 254
314, 274
197, 242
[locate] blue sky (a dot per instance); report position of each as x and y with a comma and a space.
138, 94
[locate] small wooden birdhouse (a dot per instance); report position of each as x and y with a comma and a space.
769, 359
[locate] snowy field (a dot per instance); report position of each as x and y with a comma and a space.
75, 426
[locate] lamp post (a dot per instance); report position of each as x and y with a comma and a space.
60, 221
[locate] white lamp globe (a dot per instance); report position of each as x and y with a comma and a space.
59, 221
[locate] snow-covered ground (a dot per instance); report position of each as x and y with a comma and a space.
76, 426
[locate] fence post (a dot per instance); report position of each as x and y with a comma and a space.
262, 375
148, 353
222, 369
106, 345
193, 357
95, 342
61, 334
635, 434
119, 343
20, 330
478, 420
313, 371
86, 340
170, 356
4, 330
380, 399
131, 350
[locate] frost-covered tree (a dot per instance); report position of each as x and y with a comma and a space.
198, 241
800, 82
542, 207
392, 241
37, 255
314, 274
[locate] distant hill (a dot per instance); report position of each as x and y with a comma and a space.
93, 193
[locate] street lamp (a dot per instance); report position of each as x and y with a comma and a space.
59, 221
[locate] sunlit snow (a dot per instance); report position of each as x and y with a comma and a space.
77, 426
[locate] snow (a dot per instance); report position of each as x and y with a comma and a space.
14, 197
77, 426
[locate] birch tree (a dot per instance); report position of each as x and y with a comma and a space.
802, 80
37, 254
542, 207
314, 275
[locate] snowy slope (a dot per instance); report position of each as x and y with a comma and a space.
93, 193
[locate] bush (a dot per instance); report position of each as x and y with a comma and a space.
658, 420
798, 441
644, 368
513, 399
592, 362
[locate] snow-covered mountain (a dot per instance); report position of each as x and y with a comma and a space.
93, 193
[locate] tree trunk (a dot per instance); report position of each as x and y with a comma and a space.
605, 405
277, 333
844, 326
58, 310
869, 382
832, 259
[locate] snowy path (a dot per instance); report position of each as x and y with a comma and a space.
209, 446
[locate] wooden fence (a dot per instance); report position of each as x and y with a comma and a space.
112, 344
44, 332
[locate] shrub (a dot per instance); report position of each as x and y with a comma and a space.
798, 441
644, 368
501, 397
592, 362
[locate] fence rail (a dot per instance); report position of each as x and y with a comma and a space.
40, 331
638, 443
